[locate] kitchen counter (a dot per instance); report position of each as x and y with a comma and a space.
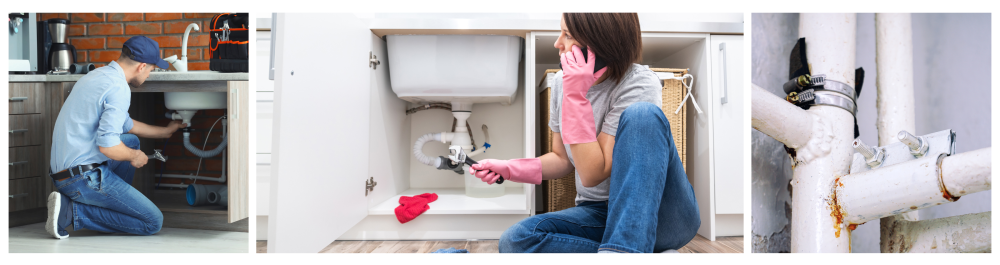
154, 76
191, 81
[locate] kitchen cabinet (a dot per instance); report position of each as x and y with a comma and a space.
27, 163
337, 127
35, 104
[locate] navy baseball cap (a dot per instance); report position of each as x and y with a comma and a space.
146, 50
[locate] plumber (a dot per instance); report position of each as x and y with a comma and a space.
632, 193
95, 150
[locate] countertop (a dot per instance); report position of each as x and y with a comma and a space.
154, 76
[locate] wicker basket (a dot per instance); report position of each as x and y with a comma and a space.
673, 94
561, 193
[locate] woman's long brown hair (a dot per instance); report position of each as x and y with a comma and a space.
615, 37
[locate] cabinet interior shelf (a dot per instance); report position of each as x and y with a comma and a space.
454, 201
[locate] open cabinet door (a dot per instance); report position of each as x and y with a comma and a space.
728, 118
320, 148
238, 162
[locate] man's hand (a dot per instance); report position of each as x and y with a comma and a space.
173, 126
139, 159
148, 131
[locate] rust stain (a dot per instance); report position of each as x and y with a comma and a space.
836, 212
852, 227
913, 207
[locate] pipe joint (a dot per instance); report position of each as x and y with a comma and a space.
873, 155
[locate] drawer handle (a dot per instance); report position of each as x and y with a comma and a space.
18, 130
18, 195
18, 98
18, 163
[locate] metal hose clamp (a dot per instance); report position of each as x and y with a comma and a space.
837, 86
829, 99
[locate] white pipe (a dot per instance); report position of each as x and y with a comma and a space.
956, 234
182, 176
894, 82
183, 186
816, 227
779, 119
891, 190
418, 147
967, 173
894, 65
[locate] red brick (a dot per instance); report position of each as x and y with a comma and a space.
198, 40
200, 15
87, 17
179, 27
163, 16
116, 42
143, 29
81, 56
47, 16
193, 54
215, 112
105, 29
168, 41
115, 17
76, 30
197, 66
104, 56
88, 43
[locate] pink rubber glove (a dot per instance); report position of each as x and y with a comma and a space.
524, 170
577, 119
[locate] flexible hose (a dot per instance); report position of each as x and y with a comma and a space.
203, 153
418, 147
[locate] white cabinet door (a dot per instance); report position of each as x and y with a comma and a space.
320, 148
729, 122
389, 145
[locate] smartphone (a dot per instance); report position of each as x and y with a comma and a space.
598, 64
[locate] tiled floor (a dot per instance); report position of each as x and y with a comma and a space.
698, 245
33, 239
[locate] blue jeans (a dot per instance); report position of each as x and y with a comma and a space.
104, 200
651, 205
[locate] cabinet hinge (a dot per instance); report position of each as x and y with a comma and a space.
370, 185
373, 60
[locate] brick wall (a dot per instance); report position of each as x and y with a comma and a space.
98, 37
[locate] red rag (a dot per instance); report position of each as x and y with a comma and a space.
412, 206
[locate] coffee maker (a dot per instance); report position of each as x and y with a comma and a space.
55, 54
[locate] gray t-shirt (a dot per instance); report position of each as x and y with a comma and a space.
638, 85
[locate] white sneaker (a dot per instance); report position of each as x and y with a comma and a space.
52, 222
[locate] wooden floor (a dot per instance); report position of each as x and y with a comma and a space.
699, 244
33, 239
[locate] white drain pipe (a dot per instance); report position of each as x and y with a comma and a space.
963, 233
912, 185
892, 190
784, 122
973, 169
894, 82
816, 226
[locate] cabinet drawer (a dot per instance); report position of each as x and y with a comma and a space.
26, 129
26, 193
26, 98
25, 162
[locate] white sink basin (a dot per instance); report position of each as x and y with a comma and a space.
446, 68
195, 100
